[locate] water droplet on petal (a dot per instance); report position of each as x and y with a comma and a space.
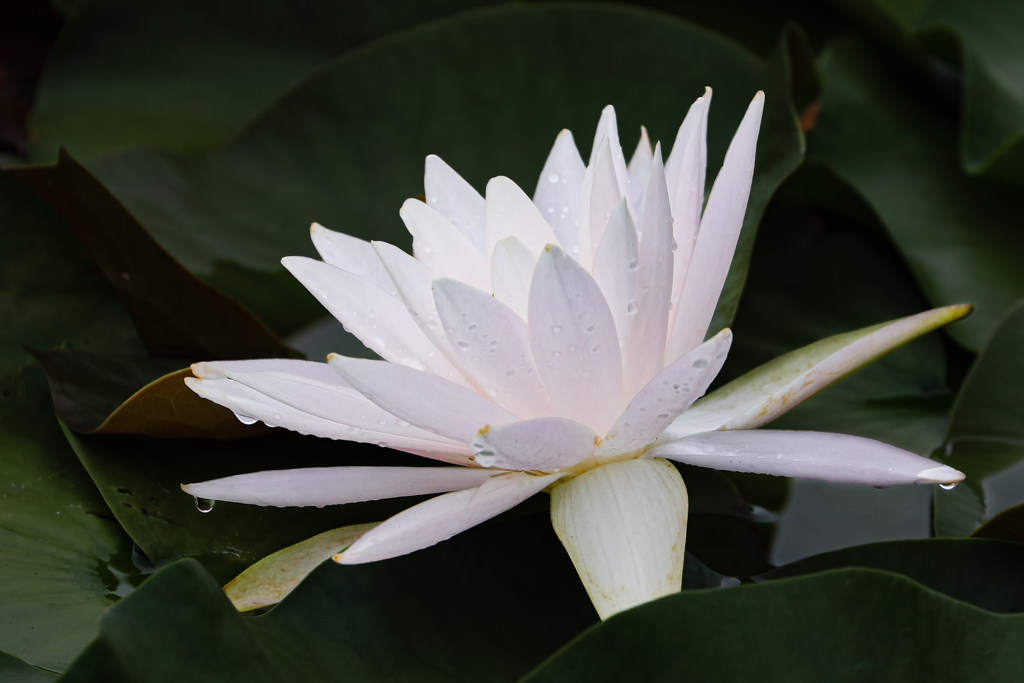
634, 264
204, 505
553, 177
245, 419
949, 486
632, 308
556, 329
700, 363
463, 345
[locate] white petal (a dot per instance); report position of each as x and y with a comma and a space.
615, 268
512, 267
684, 176
716, 241
645, 350
624, 526
438, 245
548, 443
558, 191
379, 320
774, 388
351, 254
586, 254
251, 405
438, 519
414, 283
666, 396
493, 344
574, 342
510, 213
456, 200
640, 170
811, 455
271, 579
425, 400
304, 368
608, 127
605, 195
320, 486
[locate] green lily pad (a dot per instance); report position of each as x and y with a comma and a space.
13, 670
960, 235
63, 557
488, 91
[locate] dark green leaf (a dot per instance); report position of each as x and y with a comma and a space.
13, 670
1007, 525
841, 625
981, 572
960, 235
175, 313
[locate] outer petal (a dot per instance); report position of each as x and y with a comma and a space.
379, 320
771, 390
684, 176
510, 213
425, 400
456, 200
574, 342
624, 526
268, 581
645, 352
615, 268
666, 396
304, 368
438, 519
493, 344
605, 195
586, 253
512, 267
320, 486
558, 191
608, 127
640, 170
351, 254
250, 405
439, 246
811, 455
549, 443
716, 241
414, 282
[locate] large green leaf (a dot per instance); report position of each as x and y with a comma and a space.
841, 625
13, 670
63, 558
988, 49
488, 91
960, 235
986, 434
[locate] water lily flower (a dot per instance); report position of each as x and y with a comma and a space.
555, 344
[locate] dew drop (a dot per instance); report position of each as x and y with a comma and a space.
632, 308
382, 421
425, 248
382, 444
471, 327
675, 246
245, 419
950, 486
590, 329
556, 329
661, 416
634, 264
433, 200
572, 348
491, 391
553, 177
204, 505
463, 345
597, 347
700, 363
510, 373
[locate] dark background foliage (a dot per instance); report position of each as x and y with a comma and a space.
201, 137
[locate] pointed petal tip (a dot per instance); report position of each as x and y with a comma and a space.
943, 474
185, 487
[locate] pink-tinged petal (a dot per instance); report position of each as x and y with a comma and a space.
439, 246
320, 486
456, 200
574, 342
379, 320
422, 399
684, 176
250, 405
510, 213
493, 344
351, 254
639, 169
512, 267
645, 349
548, 443
271, 579
211, 369
717, 238
558, 191
438, 519
334, 400
624, 527
810, 455
608, 127
615, 268
666, 396
774, 388
414, 283
605, 195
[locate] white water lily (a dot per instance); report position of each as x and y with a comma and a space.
556, 343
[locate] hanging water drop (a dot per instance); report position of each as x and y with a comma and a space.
949, 486
245, 419
204, 505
